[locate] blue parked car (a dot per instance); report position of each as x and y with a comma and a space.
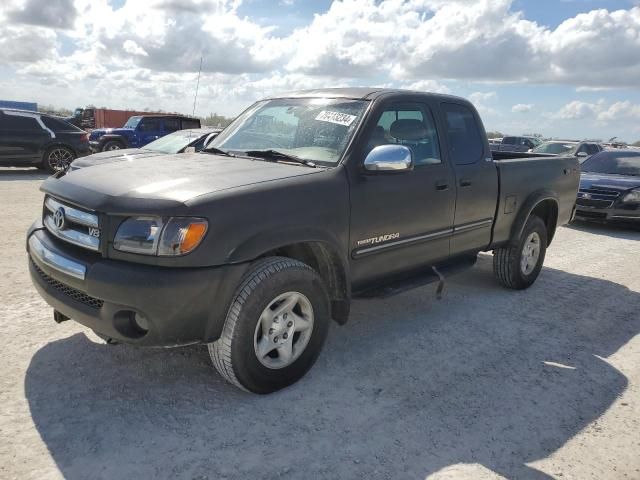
138, 131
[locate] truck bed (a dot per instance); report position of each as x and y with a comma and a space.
554, 178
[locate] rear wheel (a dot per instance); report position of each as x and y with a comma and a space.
57, 159
275, 327
517, 266
112, 145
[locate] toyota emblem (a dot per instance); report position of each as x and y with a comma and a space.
59, 219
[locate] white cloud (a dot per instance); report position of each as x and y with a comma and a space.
133, 48
427, 86
618, 112
522, 108
481, 100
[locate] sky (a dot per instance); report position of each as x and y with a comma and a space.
561, 68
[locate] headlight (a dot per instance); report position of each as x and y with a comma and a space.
160, 236
632, 197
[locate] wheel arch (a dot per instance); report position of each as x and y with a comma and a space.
543, 204
318, 252
118, 138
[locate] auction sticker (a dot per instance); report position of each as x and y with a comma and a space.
336, 117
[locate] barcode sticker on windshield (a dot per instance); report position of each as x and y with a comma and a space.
336, 117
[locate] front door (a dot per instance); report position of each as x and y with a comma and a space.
402, 221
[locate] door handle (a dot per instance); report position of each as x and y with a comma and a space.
442, 185
465, 183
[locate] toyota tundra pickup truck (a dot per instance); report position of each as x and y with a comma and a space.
304, 202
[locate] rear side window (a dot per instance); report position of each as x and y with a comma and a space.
190, 123
465, 142
149, 125
21, 123
171, 124
58, 125
509, 140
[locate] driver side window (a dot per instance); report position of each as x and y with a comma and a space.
410, 125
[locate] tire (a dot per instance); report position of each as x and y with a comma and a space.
508, 264
112, 145
57, 159
271, 285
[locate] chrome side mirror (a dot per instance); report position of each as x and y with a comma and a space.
389, 158
582, 154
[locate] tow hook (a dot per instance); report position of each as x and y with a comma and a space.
59, 317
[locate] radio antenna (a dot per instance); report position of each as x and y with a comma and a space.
197, 86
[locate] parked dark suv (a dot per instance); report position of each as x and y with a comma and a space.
32, 139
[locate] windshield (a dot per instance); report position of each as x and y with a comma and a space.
555, 148
315, 129
621, 163
174, 142
132, 122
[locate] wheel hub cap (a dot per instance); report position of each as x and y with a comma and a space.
283, 330
530, 253
59, 159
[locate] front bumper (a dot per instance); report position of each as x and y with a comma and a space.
181, 305
613, 214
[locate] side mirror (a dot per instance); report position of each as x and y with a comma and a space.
582, 154
389, 158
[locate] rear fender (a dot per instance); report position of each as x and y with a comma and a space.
534, 200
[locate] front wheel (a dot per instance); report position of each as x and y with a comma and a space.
57, 159
517, 266
275, 327
112, 145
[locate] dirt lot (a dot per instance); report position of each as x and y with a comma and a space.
485, 383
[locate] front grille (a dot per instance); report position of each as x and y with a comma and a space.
70, 292
71, 224
589, 202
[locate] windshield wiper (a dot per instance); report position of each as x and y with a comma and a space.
276, 155
217, 151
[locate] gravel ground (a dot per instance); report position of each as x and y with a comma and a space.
485, 383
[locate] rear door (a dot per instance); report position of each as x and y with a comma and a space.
476, 178
22, 137
170, 125
402, 221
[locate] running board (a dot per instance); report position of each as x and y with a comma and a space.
417, 279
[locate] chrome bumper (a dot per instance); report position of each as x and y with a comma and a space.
62, 264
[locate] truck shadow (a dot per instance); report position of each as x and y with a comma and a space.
409, 386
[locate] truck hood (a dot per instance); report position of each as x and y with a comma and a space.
615, 182
170, 180
124, 155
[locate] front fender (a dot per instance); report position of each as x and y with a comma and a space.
273, 239
111, 136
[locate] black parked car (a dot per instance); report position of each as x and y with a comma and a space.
31, 139
182, 141
610, 187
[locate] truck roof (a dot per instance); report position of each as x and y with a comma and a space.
356, 93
